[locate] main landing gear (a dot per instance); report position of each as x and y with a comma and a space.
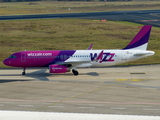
75, 72
23, 73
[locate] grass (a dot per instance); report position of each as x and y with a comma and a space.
53, 7
66, 34
51, 34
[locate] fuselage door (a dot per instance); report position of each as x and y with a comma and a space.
23, 57
124, 55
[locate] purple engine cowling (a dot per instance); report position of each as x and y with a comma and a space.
58, 69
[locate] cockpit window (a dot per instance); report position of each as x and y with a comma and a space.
12, 56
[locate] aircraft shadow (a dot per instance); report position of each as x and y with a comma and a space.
39, 75
6, 81
42, 75
93, 74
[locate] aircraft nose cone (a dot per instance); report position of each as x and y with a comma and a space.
6, 62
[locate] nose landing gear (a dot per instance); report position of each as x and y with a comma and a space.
24, 73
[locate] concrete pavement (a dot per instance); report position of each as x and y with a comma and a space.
132, 90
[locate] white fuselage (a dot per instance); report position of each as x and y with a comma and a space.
110, 57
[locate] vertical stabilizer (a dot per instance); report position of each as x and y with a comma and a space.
140, 41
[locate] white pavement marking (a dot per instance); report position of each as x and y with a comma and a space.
118, 108
150, 109
86, 107
26, 105
56, 106
96, 105
147, 106
47, 103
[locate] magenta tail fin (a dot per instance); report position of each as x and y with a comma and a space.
140, 41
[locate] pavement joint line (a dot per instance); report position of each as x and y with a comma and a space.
74, 97
150, 109
6, 102
133, 85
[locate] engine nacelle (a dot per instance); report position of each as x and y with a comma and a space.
58, 69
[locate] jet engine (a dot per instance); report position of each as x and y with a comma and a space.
58, 69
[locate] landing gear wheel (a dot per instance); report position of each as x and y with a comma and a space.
23, 73
24, 69
75, 72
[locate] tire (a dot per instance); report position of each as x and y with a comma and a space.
75, 72
23, 73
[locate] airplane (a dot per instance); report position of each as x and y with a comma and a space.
62, 61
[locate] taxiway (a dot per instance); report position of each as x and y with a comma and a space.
130, 90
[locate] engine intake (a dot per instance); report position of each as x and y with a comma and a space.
58, 69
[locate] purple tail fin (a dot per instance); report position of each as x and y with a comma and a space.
140, 41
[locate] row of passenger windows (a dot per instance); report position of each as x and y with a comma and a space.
80, 56
62, 56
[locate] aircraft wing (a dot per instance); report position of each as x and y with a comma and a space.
78, 63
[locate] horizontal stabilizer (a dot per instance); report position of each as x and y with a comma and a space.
145, 53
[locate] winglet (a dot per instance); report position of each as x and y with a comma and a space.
140, 41
99, 57
90, 47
